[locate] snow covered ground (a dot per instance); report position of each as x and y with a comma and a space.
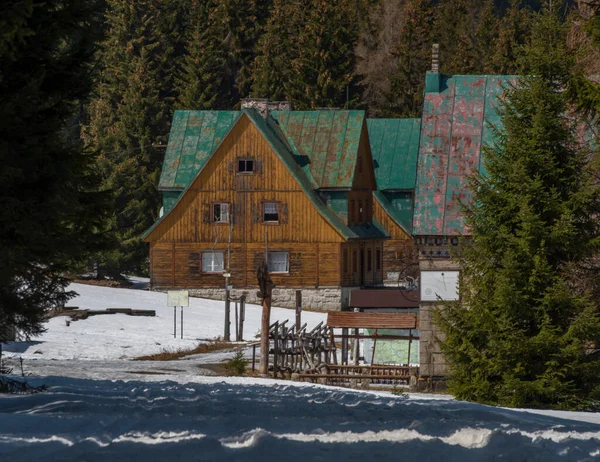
223, 421
119, 336
101, 405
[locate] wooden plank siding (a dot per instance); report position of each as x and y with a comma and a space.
364, 176
373, 320
312, 242
396, 248
310, 265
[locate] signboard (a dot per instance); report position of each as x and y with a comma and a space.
178, 298
437, 285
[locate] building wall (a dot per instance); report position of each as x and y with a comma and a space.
353, 274
399, 254
312, 243
432, 362
179, 265
321, 299
190, 220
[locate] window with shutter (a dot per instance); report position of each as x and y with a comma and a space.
378, 260
369, 260
212, 261
221, 213
278, 262
270, 212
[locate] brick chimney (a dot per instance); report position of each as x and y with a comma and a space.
435, 58
263, 105
433, 79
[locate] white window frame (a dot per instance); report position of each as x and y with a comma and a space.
264, 211
283, 266
223, 217
210, 264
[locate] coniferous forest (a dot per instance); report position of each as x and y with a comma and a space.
88, 89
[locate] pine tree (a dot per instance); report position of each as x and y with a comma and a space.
128, 116
323, 73
51, 211
413, 55
513, 33
277, 49
200, 81
454, 30
521, 334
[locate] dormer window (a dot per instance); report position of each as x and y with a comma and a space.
270, 212
245, 166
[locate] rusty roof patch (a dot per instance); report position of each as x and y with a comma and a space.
456, 123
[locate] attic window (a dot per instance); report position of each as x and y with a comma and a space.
245, 166
270, 212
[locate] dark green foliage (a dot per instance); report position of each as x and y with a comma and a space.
393, 54
512, 33
128, 117
394, 47
523, 334
220, 51
413, 54
277, 49
50, 212
306, 55
237, 364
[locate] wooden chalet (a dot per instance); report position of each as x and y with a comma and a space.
297, 185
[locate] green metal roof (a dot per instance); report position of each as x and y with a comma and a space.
457, 120
194, 137
277, 140
325, 143
395, 149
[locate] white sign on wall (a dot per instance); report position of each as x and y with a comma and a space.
439, 284
178, 298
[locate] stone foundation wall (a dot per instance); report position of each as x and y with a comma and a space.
433, 363
322, 299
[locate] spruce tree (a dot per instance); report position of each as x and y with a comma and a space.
412, 53
323, 73
51, 209
129, 119
277, 49
513, 33
522, 334
199, 82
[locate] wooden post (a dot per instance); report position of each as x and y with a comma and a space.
266, 289
237, 324
275, 348
226, 333
356, 347
298, 309
345, 345
374, 346
242, 316
409, 342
